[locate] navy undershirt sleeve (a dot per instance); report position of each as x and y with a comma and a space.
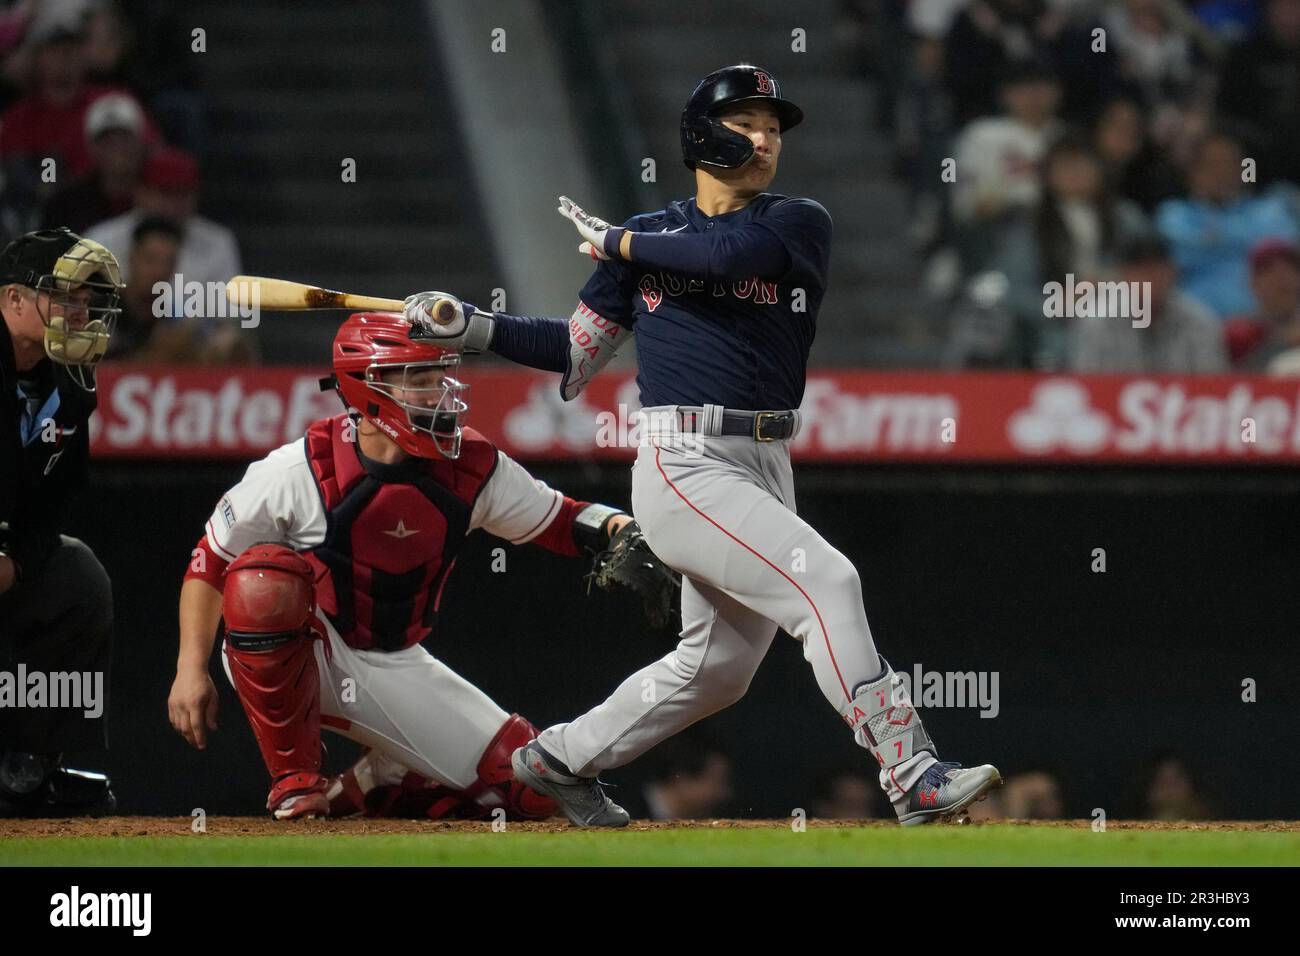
804, 228
740, 253
609, 291
537, 341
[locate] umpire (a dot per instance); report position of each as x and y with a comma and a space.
59, 299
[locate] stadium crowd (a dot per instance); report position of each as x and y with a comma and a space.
1151, 141
102, 131
1148, 144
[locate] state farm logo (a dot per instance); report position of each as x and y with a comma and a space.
1059, 416
1144, 417
142, 412
545, 422
837, 420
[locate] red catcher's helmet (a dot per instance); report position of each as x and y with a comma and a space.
401, 382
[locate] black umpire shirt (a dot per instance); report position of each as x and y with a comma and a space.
44, 455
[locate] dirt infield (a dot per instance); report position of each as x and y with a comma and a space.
264, 826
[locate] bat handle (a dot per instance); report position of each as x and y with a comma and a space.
443, 311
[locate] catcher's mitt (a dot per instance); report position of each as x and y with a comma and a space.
629, 563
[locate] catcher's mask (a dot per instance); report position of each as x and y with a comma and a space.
77, 287
401, 382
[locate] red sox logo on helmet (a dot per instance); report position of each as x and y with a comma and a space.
762, 81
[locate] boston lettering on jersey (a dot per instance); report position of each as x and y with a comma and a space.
725, 336
653, 286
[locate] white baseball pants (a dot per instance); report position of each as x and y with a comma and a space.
721, 511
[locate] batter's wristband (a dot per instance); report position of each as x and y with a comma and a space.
591, 527
478, 330
613, 237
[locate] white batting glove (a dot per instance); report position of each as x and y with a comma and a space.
469, 330
592, 229
418, 312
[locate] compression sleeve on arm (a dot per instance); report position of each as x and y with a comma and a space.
578, 350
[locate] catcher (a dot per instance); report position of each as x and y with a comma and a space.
327, 563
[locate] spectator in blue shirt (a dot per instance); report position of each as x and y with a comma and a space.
1212, 231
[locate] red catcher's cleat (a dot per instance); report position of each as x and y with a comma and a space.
299, 795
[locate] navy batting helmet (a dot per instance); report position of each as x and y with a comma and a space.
704, 139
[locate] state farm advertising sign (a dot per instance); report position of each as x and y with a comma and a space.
151, 412
203, 413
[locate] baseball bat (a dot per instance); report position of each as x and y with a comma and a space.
285, 295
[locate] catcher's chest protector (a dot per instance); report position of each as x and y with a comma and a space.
392, 533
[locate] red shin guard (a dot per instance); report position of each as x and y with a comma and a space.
497, 786
280, 691
267, 603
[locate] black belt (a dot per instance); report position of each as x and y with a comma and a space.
760, 426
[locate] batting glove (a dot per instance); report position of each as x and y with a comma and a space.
602, 239
470, 329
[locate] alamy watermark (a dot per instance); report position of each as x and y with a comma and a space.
626, 427
208, 300
1085, 299
75, 908
976, 689
72, 690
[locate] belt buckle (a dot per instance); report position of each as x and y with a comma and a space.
758, 425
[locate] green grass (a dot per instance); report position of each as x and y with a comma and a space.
988, 845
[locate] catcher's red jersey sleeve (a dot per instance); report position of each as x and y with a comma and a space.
206, 564
520, 508
276, 501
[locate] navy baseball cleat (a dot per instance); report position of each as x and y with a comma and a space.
944, 792
580, 798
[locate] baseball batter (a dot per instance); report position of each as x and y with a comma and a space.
327, 563
722, 292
